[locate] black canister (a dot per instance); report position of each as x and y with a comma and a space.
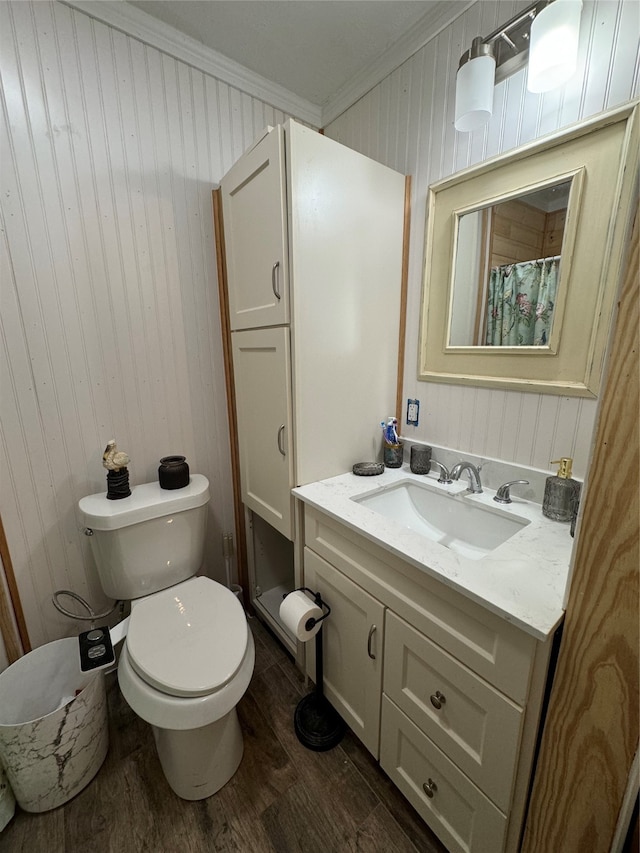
118, 484
173, 472
420, 459
392, 455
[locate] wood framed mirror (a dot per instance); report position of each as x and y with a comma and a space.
523, 258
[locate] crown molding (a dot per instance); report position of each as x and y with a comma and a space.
138, 24
427, 28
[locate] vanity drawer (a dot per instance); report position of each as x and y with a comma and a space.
475, 725
458, 812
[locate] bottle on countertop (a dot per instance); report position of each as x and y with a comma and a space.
561, 492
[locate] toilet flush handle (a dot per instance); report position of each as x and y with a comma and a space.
88, 531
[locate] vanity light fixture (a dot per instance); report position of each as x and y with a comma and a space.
474, 86
553, 52
545, 33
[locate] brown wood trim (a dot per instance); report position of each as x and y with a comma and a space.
238, 509
591, 733
403, 297
484, 271
6, 623
8, 629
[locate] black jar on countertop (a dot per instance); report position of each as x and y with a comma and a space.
173, 472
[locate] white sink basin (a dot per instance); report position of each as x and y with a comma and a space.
468, 528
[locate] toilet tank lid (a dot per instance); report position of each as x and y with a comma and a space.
146, 501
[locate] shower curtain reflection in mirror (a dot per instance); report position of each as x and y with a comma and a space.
520, 303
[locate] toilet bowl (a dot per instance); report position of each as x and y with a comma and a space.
187, 661
188, 656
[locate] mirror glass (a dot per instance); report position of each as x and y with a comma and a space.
506, 270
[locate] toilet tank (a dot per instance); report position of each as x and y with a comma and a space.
150, 540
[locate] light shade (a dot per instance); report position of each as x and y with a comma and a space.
553, 52
474, 88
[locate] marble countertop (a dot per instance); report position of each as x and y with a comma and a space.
523, 580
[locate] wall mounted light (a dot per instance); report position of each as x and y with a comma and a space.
474, 86
553, 52
545, 33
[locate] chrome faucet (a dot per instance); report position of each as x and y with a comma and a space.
475, 486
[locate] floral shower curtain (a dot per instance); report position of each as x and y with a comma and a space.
521, 303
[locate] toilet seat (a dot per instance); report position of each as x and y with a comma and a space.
189, 640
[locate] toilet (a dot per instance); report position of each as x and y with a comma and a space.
188, 655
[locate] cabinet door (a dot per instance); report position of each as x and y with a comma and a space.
255, 233
261, 365
352, 645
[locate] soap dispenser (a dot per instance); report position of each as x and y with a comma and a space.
561, 492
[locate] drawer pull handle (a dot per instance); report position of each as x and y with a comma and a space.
437, 700
372, 631
429, 788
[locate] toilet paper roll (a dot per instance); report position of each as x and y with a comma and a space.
295, 611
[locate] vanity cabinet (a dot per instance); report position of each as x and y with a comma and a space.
313, 244
460, 697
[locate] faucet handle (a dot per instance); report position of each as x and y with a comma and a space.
445, 476
503, 496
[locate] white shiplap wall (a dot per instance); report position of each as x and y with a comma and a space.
407, 122
110, 327
109, 315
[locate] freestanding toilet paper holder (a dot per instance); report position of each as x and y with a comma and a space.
317, 724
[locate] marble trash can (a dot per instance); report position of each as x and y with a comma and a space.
7, 800
53, 725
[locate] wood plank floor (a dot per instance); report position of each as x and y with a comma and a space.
283, 799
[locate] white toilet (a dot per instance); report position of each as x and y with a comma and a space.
188, 656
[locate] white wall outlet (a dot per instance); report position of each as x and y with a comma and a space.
413, 411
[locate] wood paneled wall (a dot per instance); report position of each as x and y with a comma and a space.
521, 232
517, 233
591, 733
407, 122
110, 322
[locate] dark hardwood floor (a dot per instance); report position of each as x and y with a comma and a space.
283, 799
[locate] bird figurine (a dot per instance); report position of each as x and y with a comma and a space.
114, 459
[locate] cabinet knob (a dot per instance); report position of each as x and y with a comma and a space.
437, 699
429, 788
372, 631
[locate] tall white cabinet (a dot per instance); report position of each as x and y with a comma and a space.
313, 239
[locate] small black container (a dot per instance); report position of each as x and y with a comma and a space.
392, 455
420, 459
118, 484
173, 472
